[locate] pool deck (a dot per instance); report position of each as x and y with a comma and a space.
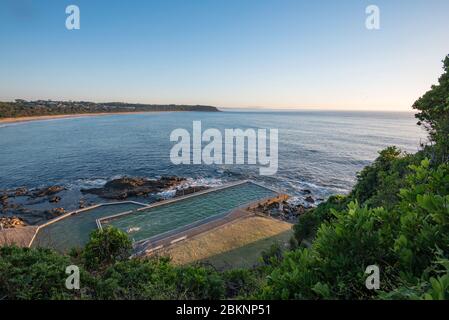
20, 237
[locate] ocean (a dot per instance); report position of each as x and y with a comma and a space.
319, 151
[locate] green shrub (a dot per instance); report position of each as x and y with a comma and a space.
309, 222
105, 247
138, 279
294, 278
197, 282
433, 285
424, 218
34, 274
241, 282
273, 255
158, 279
378, 184
306, 227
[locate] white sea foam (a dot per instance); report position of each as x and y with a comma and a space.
87, 183
167, 194
296, 201
191, 182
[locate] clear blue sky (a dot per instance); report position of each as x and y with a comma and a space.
230, 53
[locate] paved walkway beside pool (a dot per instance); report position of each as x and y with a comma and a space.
20, 236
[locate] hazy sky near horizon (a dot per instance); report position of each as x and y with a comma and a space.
229, 53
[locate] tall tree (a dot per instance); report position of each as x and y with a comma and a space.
433, 114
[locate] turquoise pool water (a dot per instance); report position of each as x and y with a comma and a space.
154, 221
74, 230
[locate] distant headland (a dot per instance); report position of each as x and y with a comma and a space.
23, 110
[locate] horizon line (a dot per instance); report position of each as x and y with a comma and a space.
250, 108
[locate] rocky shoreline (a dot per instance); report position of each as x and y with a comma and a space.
11, 222
22, 206
285, 208
18, 202
123, 188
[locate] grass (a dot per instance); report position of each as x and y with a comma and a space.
248, 255
237, 244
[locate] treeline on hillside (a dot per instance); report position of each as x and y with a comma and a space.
395, 218
23, 108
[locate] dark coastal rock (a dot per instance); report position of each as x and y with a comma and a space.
299, 210
49, 191
56, 212
54, 199
19, 192
4, 200
306, 191
281, 208
123, 188
11, 222
309, 199
29, 216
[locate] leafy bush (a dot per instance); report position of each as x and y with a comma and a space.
197, 282
307, 226
34, 274
309, 222
241, 282
158, 279
138, 279
434, 285
273, 255
424, 217
105, 247
294, 278
378, 185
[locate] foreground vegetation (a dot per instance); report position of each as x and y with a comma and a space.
396, 217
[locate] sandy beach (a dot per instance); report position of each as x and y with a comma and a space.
64, 116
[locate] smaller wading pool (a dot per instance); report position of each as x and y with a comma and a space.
74, 230
187, 212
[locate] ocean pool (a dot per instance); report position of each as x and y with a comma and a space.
187, 212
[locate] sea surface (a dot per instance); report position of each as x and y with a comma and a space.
320, 151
